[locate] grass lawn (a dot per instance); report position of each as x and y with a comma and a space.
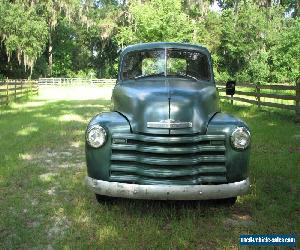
45, 204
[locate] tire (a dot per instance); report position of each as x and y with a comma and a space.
229, 201
102, 198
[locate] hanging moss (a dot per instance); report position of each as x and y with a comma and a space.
26, 26
22, 31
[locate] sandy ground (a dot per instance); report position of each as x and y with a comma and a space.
84, 92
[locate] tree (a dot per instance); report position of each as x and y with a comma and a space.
285, 54
153, 21
51, 11
250, 40
22, 32
246, 40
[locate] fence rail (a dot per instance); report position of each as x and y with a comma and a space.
74, 81
11, 90
281, 96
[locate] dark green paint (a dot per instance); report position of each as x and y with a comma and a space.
199, 155
160, 98
98, 160
236, 161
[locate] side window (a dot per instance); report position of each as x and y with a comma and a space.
131, 65
198, 66
204, 67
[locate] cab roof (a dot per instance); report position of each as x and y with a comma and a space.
162, 45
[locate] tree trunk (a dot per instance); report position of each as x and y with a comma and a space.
297, 8
50, 56
236, 6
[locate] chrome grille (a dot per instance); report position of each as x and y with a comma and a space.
182, 160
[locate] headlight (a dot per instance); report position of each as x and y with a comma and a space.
96, 136
240, 138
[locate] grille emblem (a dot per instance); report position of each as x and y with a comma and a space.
119, 141
169, 124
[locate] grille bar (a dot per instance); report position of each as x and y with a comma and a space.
167, 149
182, 181
167, 172
160, 160
182, 160
169, 139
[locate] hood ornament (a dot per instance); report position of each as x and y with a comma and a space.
169, 124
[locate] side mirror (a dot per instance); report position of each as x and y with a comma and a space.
230, 87
119, 50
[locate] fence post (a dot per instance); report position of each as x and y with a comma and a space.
297, 101
25, 88
7, 98
257, 87
36, 88
15, 85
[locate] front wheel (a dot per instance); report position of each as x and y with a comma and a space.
229, 201
102, 198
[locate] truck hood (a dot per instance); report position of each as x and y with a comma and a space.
149, 104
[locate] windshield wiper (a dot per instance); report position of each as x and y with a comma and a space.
144, 76
187, 76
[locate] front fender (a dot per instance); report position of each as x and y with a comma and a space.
237, 161
98, 159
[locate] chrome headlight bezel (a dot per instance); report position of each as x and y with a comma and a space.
240, 131
96, 129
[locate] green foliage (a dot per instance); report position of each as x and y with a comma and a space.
249, 40
157, 20
245, 40
64, 49
45, 204
286, 53
22, 31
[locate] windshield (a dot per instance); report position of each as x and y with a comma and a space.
160, 62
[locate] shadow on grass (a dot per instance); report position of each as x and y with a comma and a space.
198, 224
44, 201
252, 111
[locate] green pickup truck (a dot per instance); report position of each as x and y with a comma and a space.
165, 137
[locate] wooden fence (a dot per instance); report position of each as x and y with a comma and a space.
11, 90
74, 81
281, 96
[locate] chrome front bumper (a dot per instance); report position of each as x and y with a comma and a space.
168, 192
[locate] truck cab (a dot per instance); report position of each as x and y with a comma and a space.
165, 137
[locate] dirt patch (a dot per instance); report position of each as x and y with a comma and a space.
32, 224
55, 159
54, 93
49, 247
47, 176
297, 136
51, 191
34, 202
294, 149
60, 225
228, 223
239, 218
